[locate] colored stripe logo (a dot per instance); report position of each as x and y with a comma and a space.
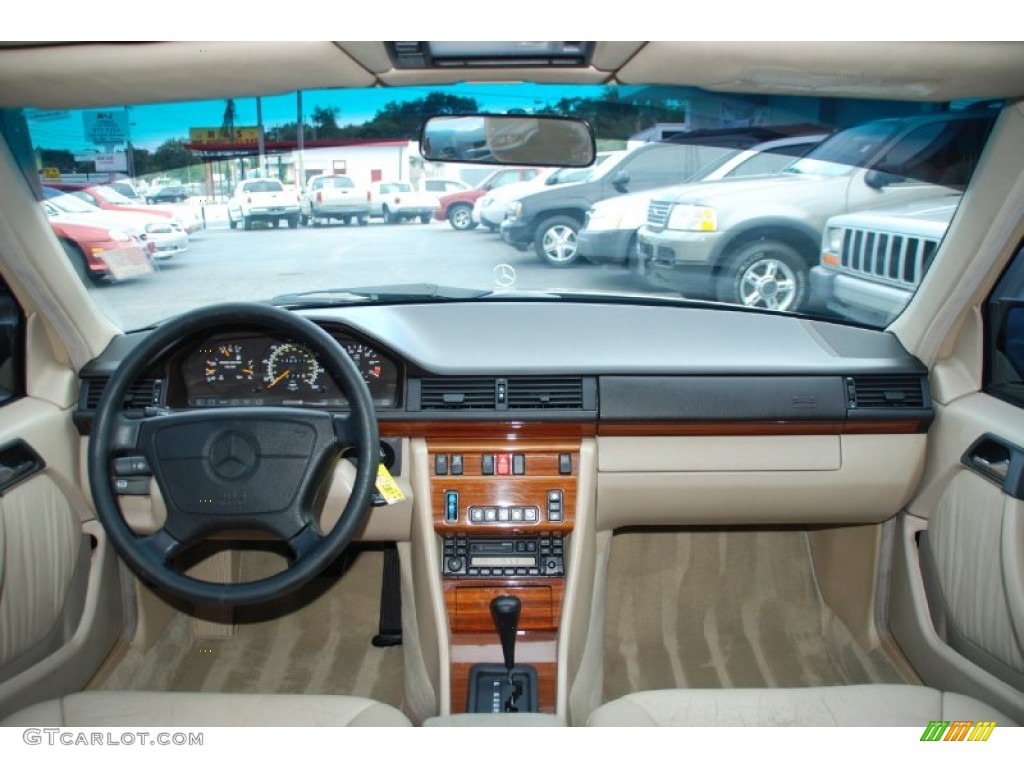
958, 730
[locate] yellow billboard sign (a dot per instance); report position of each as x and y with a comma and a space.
244, 135
52, 174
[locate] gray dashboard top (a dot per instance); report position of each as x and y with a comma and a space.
517, 337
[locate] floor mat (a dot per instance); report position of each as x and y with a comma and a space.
735, 609
319, 643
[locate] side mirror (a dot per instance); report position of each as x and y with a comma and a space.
508, 140
877, 179
620, 180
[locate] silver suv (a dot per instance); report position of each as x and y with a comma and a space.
754, 241
873, 261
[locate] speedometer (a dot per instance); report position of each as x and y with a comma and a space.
292, 368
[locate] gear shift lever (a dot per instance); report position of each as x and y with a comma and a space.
505, 612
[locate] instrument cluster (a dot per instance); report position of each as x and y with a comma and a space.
256, 370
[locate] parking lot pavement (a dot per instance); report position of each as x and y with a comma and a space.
223, 263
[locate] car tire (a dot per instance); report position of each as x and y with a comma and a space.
389, 217
555, 241
461, 217
246, 222
303, 219
491, 227
765, 274
424, 218
274, 223
232, 222
81, 264
293, 222
364, 220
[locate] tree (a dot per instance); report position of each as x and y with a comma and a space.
325, 123
227, 126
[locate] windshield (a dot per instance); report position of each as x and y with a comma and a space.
356, 213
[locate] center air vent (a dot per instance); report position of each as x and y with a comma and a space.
885, 392
562, 393
461, 393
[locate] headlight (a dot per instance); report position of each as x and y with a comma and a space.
515, 210
832, 247
693, 218
158, 227
600, 220
120, 235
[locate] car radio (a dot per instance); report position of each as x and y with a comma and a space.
510, 557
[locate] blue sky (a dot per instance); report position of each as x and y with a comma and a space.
151, 125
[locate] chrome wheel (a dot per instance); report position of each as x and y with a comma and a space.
556, 241
768, 283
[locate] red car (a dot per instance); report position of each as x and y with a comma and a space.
100, 253
457, 208
110, 199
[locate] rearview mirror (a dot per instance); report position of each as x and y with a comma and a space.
508, 140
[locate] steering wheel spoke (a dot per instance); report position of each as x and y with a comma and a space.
234, 469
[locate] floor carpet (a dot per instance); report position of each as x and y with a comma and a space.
732, 609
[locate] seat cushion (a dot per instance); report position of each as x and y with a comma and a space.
841, 705
117, 709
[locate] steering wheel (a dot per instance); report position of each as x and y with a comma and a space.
263, 469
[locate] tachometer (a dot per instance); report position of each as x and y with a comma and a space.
292, 368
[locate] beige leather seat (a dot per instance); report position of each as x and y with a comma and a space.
841, 705
122, 709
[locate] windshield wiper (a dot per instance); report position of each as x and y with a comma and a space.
383, 294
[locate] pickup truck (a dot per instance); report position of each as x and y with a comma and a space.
397, 201
334, 196
262, 200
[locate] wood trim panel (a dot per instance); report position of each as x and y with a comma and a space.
468, 602
519, 430
513, 430
758, 428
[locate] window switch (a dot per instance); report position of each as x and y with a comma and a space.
456, 465
441, 464
487, 464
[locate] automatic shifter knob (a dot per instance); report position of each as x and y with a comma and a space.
505, 612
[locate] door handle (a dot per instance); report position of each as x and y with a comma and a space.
999, 461
18, 462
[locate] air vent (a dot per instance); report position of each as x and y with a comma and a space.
885, 392
560, 393
141, 394
467, 393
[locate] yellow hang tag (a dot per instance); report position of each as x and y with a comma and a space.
387, 487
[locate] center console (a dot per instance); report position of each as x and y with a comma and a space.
504, 511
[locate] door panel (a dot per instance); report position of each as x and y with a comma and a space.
957, 599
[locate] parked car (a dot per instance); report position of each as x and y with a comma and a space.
457, 208
334, 196
99, 253
441, 187
128, 190
164, 237
491, 209
397, 201
873, 261
172, 193
609, 230
753, 241
262, 200
110, 199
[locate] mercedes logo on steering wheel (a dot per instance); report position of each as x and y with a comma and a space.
233, 455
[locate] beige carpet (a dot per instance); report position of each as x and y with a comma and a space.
319, 643
734, 609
